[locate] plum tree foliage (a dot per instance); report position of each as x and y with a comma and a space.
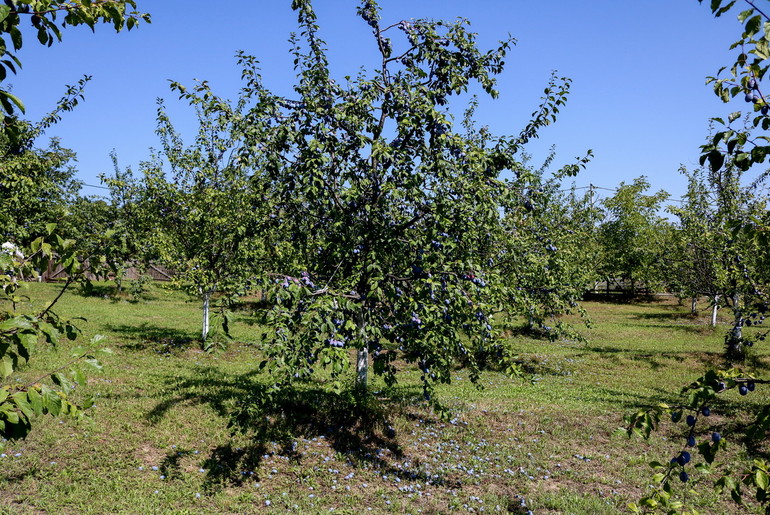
391, 209
21, 332
697, 268
32, 182
35, 188
548, 253
723, 264
34, 185
743, 79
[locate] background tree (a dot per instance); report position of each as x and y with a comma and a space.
128, 225
36, 184
548, 254
36, 188
633, 235
204, 210
718, 262
108, 240
694, 269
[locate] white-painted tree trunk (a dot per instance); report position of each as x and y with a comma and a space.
205, 330
694, 305
714, 310
362, 368
362, 358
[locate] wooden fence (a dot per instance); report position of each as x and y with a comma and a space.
56, 272
618, 287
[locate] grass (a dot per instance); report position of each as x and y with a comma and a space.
177, 430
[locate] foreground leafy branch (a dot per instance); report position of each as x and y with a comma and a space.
21, 333
694, 412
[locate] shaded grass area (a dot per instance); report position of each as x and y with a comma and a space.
182, 431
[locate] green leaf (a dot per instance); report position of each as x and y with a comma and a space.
15, 323
743, 15
35, 401
753, 25
9, 414
15, 37
716, 160
50, 332
79, 377
6, 366
60, 380
27, 342
22, 402
53, 403
43, 36
761, 479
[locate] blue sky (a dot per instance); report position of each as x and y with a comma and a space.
638, 99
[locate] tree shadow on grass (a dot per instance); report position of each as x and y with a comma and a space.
692, 328
356, 426
675, 315
623, 298
656, 360
153, 337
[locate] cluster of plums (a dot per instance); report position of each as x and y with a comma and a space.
684, 457
754, 96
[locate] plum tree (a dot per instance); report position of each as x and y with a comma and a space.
202, 213
391, 208
715, 260
549, 252
633, 235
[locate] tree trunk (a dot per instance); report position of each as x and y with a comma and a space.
714, 310
205, 330
694, 305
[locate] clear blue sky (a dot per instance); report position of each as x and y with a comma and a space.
639, 98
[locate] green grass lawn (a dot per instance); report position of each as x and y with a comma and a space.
177, 430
